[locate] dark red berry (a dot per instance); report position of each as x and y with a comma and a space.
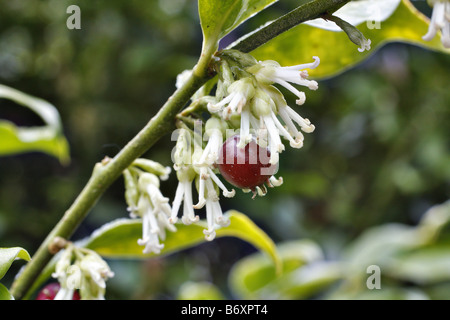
49, 292
245, 167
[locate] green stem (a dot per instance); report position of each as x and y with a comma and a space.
107, 171
309, 11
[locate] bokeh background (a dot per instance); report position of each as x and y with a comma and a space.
379, 153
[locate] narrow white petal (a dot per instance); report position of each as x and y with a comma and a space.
201, 194
179, 195
218, 106
301, 95
311, 65
305, 124
226, 192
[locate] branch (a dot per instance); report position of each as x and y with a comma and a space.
309, 11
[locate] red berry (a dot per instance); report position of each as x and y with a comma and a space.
247, 167
49, 292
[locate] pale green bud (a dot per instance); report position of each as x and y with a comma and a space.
186, 173
153, 167
276, 96
244, 85
264, 71
244, 60
131, 189
262, 104
215, 124
146, 179
183, 150
353, 33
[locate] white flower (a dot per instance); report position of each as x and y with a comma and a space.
440, 20
259, 107
63, 264
155, 211
83, 269
96, 271
63, 271
214, 129
291, 120
239, 92
213, 212
214, 216
268, 104
205, 177
183, 194
200, 168
271, 72
208, 196
257, 117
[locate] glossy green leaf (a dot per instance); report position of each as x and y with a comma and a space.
219, 17
252, 275
336, 52
48, 138
4, 293
7, 257
118, 239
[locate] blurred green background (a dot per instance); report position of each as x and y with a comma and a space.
379, 153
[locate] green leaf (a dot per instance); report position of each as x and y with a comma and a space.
378, 246
7, 257
118, 239
219, 17
254, 277
303, 282
424, 267
4, 293
337, 54
199, 291
48, 138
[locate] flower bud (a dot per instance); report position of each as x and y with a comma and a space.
244, 60
153, 167
146, 179
353, 33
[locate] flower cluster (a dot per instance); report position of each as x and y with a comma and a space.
194, 164
246, 110
145, 201
246, 101
261, 107
440, 20
81, 269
